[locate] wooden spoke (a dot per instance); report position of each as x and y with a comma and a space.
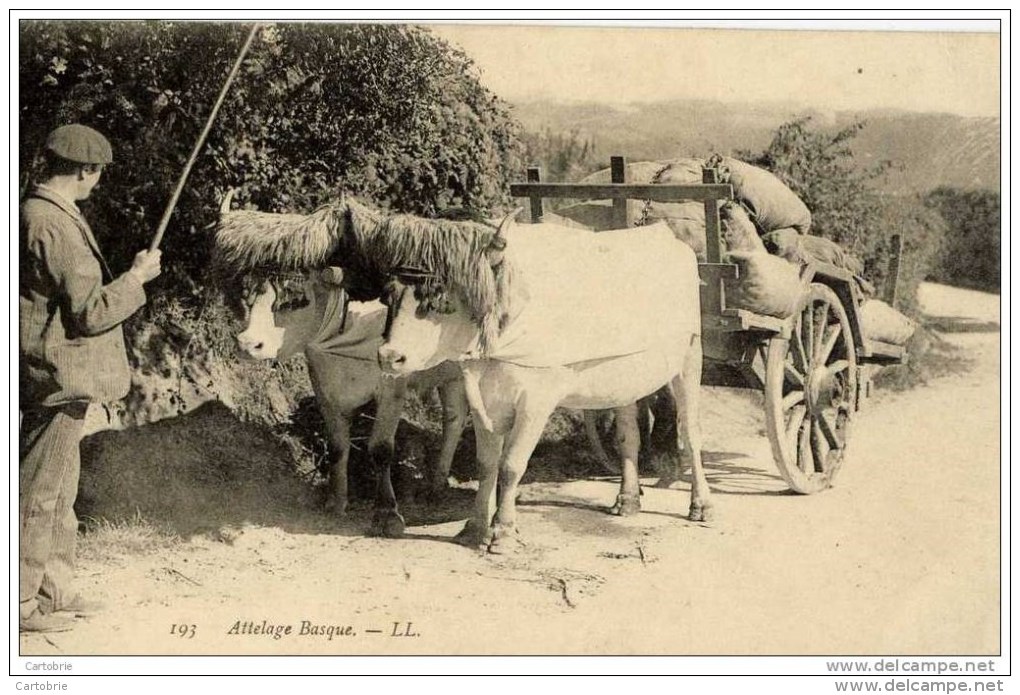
819, 333
791, 399
808, 334
836, 367
794, 376
804, 453
796, 420
829, 431
818, 446
830, 343
797, 351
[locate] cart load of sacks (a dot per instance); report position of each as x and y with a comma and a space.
766, 229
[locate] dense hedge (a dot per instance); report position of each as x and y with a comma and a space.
971, 254
388, 112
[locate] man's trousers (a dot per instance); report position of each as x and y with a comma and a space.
48, 486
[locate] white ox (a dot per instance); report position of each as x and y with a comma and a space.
340, 340
540, 316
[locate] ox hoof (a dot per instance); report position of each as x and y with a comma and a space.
626, 505
474, 536
388, 524
700, 512
505, 540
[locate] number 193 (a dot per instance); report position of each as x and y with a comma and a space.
183, 631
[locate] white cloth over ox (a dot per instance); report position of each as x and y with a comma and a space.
593, 296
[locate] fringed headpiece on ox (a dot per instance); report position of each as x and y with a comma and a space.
249, 241
457, 257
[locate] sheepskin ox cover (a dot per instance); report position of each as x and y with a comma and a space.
355, 333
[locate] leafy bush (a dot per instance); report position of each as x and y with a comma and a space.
387, 112
971, 253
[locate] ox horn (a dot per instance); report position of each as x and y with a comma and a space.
498, 243
228, 198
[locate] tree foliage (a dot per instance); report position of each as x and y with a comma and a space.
561, 156
846, 206
387, 112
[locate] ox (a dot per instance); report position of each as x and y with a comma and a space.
540, 316
371, 247
340, 340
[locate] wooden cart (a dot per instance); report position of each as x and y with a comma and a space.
808, 365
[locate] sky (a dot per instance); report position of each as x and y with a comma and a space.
941, 71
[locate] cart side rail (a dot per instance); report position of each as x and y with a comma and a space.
710, 192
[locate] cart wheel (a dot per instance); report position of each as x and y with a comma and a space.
810, 388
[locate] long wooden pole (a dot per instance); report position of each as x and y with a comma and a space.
201, 141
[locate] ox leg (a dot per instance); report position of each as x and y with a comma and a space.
645, 418
476, 532
628, 443
339, 430
686, 390
664, 430
527, 430
455, 412
387, 520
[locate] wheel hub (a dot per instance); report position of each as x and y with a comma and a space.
822, 390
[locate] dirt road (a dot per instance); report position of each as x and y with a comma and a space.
902, 556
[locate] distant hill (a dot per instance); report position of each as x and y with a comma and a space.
928, 149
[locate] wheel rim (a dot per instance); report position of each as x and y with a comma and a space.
811, 381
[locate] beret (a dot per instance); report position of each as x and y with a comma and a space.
79, 143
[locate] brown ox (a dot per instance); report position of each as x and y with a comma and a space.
311, 315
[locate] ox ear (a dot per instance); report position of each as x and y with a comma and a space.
498, 244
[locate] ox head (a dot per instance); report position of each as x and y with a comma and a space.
429, 323
283, 315
425, 324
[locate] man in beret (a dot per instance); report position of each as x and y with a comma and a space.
72, 353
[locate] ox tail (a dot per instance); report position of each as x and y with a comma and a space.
472, 375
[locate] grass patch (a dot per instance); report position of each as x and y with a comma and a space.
105, 540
